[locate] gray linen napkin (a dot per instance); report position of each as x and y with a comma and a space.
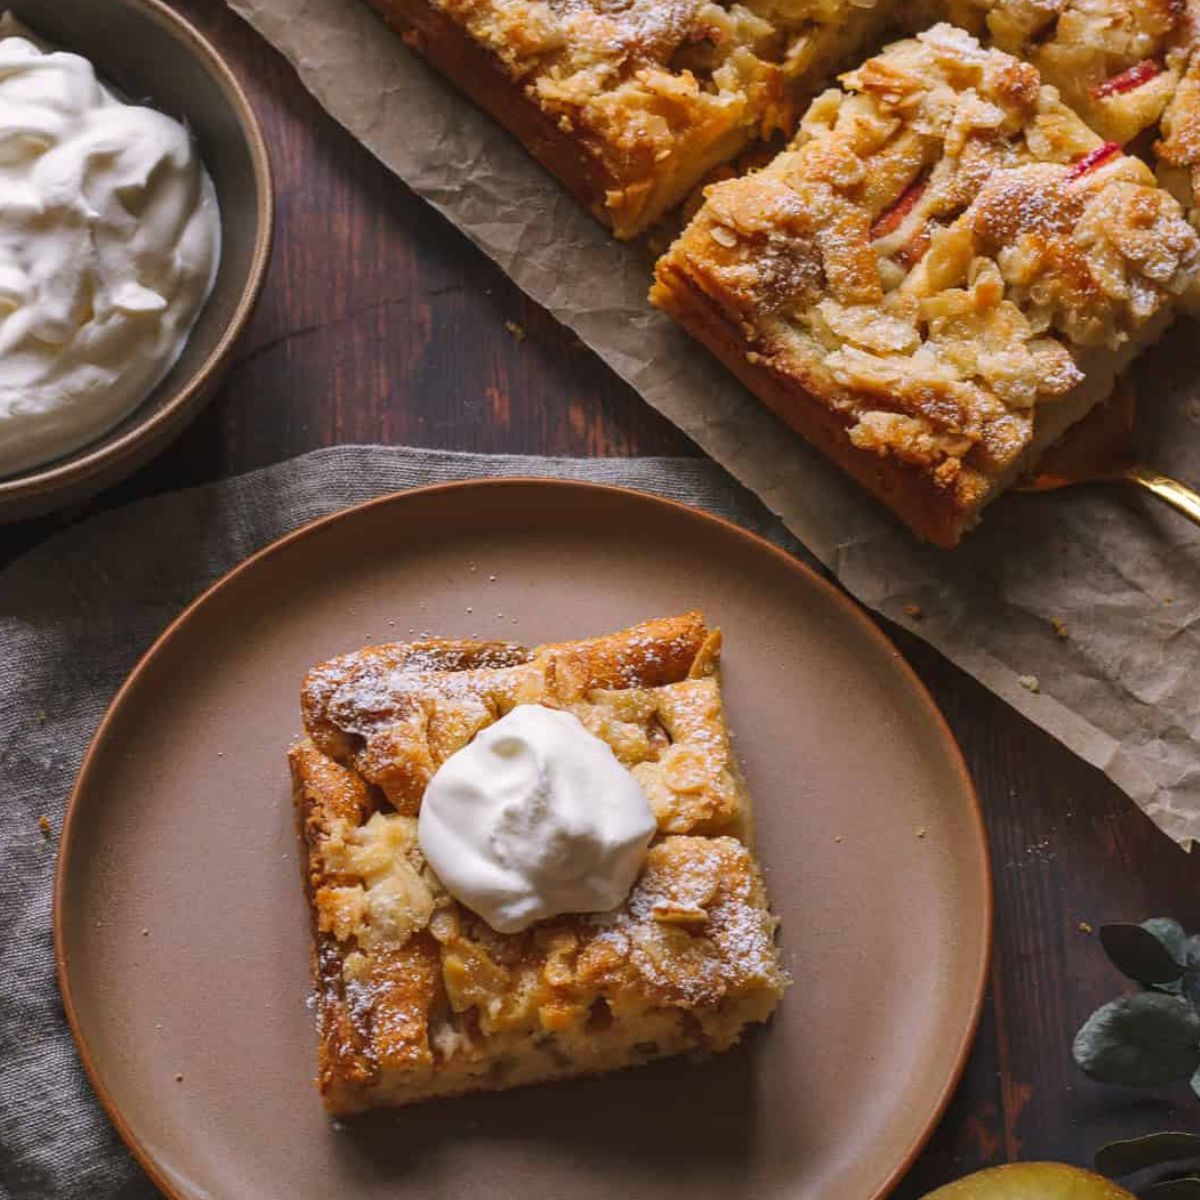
75, 615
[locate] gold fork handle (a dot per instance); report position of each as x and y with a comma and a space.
1170, 491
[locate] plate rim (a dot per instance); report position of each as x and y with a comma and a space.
857, 614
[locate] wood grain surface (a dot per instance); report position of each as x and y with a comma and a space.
380, 323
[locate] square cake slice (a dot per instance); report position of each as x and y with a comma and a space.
944, 272
630, 104
418, 996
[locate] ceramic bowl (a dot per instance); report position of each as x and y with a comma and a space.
151, 55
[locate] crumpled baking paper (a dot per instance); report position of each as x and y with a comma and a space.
1114, 572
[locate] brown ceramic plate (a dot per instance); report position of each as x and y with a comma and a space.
153, 56
182, 934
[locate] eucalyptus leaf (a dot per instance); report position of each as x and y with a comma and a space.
1152, 1150
1191, 970
1174, 1189
1143, 953
1140, 1040
1170, 933
1196, 1082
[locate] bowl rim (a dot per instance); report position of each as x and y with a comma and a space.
91, 459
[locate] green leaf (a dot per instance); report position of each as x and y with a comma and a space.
1191, 970
1141, 1040
1142, 953
1174, 1189
1170, 933
1152, 1150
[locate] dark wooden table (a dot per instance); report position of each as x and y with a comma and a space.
381, 323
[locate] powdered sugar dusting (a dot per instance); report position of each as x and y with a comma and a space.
694, 936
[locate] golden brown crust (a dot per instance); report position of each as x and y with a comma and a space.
630, 105
479, 74
357, 670
907, 490
1127, 67
417, 996
650, 655
1115, 62
396, 712
1178, 147
323, 792
944, 254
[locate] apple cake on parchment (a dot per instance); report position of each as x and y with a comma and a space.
944, 272
926, 355
630, 104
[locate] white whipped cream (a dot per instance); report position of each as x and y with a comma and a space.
109, 243
533, 818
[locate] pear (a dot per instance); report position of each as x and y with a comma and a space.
1032, 1181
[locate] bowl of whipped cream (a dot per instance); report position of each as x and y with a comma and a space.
135, 228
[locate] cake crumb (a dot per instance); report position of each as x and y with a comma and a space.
1059, 627
1029, 682
517, 331
1084, 927
145, 933
45, 826
178, 1078
915, 611
922, 833
839, 839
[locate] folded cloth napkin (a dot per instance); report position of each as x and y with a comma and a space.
76, 613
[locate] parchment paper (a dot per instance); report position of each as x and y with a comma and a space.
1120, 574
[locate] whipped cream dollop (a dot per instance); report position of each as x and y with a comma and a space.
109, 243
533, 818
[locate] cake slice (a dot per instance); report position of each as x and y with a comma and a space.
631, 104
1117, 63
944, 272
417, 996
1129, 68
